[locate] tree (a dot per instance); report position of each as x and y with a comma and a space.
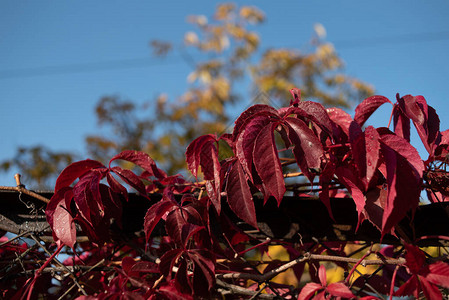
232, 54
204, 239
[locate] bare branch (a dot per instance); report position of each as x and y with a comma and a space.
235, 289
21, 189
309, 257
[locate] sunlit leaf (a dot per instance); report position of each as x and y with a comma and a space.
368, 106
239, 195
267, 163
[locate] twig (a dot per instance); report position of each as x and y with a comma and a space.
66, 292
235, 289
288, 175
358, 263
21, 189
69, 269
309, 257
256, 295
15, 238
18, 259
60, 264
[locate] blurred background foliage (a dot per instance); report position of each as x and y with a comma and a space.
232, 70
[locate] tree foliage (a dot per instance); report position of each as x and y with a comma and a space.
231, 53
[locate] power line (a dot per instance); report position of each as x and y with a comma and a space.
149, 62
392, 40
87, 67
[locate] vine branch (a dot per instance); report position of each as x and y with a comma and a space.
309, 257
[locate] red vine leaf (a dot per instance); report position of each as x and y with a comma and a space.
239, 195
424, 277
193, 152
87, 194
353, 184
116, 187
404, 170
401, 123
141, 159
309, 290
155, 214
368, 106
308, 150
245, 141
267, 163
60, 218
203, 152
130, 178
252, 112
341, 119
204, 270
74, 171
312, 111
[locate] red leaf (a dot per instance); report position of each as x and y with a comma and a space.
296, 94
130, 178
143, 267
239, 195
401, 124
127, 263
424, 118
193, 152
322, 275
375, 201
87, 193
407, 151
372, 151
250, 113
410, 287
411, 109
340, 118
61, 195
339, 289
179, 228
350, 180
205, 265
309, 290
325, 179
210, 166
173, 223
168, 261
214, 194
439, 274
188, 231
182, 279
170, 292
63, 225
155, 214
203, 152
74, 171
430, 291
245, 141
308, 150
368, 106
112, 203
404, 178
358, 148
59, 217
314, 112
116, 186
267, 163
415, 259
141, 159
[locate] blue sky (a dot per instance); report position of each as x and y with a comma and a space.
58, 58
